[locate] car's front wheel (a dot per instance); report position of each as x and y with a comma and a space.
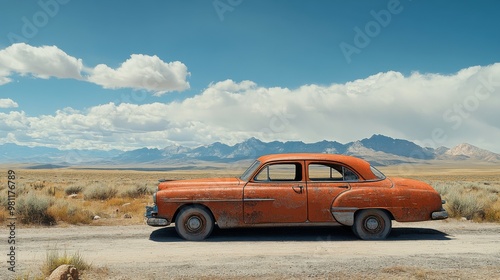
194, 223
372, 224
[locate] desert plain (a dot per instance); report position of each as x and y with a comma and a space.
109, 232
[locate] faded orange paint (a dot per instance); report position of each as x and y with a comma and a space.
320, 198
237, 203
275, 202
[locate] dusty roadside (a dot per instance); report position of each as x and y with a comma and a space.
428, 250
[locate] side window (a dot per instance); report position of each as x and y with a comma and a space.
321, 172
280, 172
330, 172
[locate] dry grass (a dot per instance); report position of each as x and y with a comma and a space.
99, 192
64, 211
54, 259
70, 196
406, 272
471, 200
137, 191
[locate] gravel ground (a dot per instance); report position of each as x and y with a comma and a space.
448, 249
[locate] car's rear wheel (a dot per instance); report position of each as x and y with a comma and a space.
372, 224
194, 223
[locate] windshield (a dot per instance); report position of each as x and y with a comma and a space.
250, 170
377, 173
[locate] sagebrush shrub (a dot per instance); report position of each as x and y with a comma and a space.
470, 200
32, 209
38, 185
73, 189
466, 205
137, 191
99, 192
51, 191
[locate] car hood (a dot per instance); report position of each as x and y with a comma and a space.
196, 183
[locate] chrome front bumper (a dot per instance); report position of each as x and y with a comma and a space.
153, 220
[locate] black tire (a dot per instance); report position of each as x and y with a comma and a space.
372, 224
194, 223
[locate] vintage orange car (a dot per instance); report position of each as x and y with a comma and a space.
295, 190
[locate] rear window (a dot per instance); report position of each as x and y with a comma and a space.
330, 172
377, 173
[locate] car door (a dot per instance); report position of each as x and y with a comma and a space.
325, 181
277, 194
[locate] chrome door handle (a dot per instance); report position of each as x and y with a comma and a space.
297, 189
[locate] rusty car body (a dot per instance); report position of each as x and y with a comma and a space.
295, 190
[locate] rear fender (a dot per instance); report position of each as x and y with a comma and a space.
344, 215
345, 206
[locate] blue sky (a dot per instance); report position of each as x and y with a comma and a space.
227, 70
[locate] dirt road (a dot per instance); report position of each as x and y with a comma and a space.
428, 250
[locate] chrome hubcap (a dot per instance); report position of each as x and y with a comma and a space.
372, 224
194, 223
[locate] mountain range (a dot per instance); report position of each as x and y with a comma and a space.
378, 149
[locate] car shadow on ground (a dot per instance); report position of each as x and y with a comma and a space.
168, 234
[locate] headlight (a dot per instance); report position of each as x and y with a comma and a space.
154, 198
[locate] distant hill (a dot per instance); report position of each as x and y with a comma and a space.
378, 149
397, 147
467, 151
12, 153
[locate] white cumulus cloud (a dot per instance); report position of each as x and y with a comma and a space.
431, 109
140, 72
41, 62
143, 72
8, 103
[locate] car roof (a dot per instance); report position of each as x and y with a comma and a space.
360, 166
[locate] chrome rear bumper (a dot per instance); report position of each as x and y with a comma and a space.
439, 215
